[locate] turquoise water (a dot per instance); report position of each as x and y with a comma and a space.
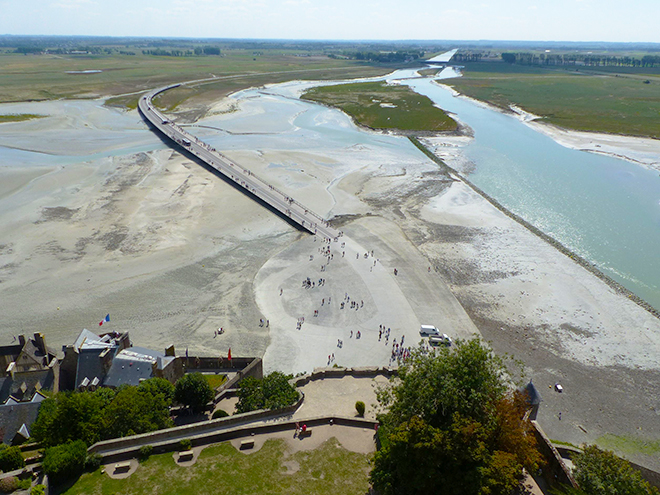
605, 209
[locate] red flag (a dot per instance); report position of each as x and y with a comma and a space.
229, 354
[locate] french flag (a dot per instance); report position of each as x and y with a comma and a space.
105, 320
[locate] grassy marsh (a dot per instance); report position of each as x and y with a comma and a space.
46, 77
380, 106
582, 100
19, 117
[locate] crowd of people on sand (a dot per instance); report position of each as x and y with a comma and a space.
399, 352
327, 253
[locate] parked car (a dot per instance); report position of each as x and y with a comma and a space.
426, 330
438, 340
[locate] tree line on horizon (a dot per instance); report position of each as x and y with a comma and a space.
382, 57
592, 60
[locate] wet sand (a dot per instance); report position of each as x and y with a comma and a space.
173, 253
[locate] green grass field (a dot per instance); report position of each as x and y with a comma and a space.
45, 77
221, 469
379, 106
574, 100
215, 380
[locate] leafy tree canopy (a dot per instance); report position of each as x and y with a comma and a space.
600, 472
65, 460
194, 391
104, 413
452, 427
11, 459
272, 392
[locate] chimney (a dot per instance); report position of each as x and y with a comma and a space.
11, 369
21, 340
40, 342
170, 351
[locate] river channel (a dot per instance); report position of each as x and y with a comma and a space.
605, 209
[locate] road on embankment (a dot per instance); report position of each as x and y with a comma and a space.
257, 187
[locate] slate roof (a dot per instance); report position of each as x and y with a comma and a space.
89, 340
10, 350
132, 365
89, 347
5, 388
13, 386
89, 365
13, 416
32, 350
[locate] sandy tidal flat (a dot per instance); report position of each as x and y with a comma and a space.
173, 253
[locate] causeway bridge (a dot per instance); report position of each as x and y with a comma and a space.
241, 177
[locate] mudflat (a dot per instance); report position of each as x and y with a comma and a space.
174, 252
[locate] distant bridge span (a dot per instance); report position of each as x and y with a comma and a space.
288, 207
443, 58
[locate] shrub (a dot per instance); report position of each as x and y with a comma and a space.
185, 444
25, 483
11, 459
146, 451
220, 413
9, 484
360, 408
93, 461
65, 460
12, 483
38, 490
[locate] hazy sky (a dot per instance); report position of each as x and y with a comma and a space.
564, 20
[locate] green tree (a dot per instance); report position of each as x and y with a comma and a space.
72, 416
136, 410
158, 386
194, 391
452, 427
104, 413
11, 459
600, 472
65, 461
250, 395
272, 392
509, 58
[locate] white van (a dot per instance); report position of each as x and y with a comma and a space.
438, 340
428, 330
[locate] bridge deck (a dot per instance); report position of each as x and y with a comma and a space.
242, 177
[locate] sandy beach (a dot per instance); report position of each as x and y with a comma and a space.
173, 253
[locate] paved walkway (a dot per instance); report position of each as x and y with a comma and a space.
256, 186
337, 396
